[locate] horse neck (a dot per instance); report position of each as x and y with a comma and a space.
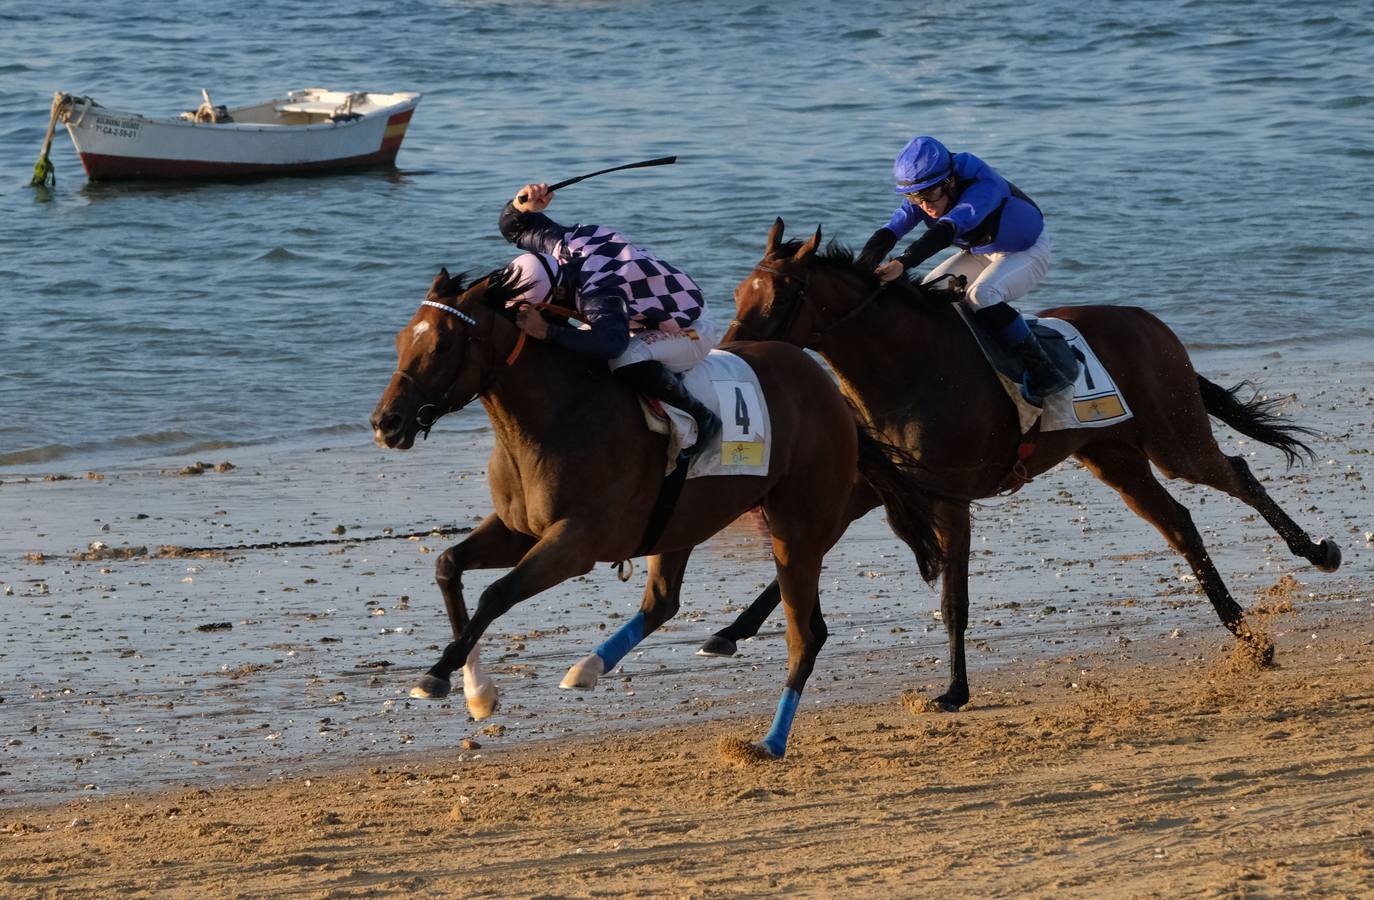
529, 398
894, 360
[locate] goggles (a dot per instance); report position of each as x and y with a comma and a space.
928, 194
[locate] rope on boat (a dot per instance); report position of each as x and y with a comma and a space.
43, 171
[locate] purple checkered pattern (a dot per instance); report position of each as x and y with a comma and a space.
658, 295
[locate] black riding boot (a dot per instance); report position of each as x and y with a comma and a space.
1043, 377
654, 379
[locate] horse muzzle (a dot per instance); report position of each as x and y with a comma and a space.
393, 429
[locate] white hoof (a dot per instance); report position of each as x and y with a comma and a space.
482, 701
584, 673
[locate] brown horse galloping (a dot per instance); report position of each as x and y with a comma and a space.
575, 475
905, 358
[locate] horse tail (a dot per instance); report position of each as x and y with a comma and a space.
1255, 418
896, 475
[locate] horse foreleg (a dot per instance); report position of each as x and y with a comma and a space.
953, 518
491, 545
660, 604
726, 641
799, 579
1127, 470
559, 554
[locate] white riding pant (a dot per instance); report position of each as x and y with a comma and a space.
677, 350
997, 277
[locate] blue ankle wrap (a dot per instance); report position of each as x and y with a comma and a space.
776, 741
614, 648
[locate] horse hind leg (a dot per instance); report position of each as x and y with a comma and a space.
660, 603
1244, 486
799, 580
1179, 456
1126, 469
725, 642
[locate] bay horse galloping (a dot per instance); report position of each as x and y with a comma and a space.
907, 361
575, 475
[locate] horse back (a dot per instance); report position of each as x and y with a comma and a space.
1143, 355
805, 405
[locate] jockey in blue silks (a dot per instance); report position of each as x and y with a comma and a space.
1004, 250
644, 316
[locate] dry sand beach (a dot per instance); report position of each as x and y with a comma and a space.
214, 699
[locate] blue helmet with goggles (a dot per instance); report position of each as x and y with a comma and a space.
922, 163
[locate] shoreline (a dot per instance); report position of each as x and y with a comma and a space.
120, 456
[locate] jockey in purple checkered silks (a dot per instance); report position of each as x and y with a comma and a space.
645, 317
1004, 250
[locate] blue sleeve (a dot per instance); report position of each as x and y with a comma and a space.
904, 219
531, 231
606, 313
984, 192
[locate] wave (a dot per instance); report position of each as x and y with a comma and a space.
280, 254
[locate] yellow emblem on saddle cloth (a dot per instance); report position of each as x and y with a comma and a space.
1099, 408
1095, 400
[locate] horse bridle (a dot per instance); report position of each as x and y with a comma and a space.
445, 404
474, 337
795, 304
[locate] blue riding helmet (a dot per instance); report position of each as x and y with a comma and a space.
922, 163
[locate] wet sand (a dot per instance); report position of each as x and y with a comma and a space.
234, 711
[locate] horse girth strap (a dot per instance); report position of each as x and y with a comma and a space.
668, 494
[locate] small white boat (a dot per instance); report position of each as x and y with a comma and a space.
310, 130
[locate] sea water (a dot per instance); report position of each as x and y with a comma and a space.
1209, 161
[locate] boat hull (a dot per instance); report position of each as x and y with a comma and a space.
116, 145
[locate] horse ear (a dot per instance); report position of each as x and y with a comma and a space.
809, 248
440, 281
774, 237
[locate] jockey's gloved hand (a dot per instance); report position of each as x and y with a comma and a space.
877, 247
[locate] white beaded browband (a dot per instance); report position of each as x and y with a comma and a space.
457, 312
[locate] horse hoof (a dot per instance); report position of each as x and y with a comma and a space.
1332, 560
584, 674
430, 687
944, 704
482, 702
716, 645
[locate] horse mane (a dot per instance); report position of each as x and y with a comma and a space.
839, 256
501, 287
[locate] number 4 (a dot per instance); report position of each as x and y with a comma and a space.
741, 411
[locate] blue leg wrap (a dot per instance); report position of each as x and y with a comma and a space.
776, 741
614, 648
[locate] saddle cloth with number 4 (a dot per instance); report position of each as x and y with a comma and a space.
726, 384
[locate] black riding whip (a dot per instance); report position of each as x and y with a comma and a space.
661, 161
